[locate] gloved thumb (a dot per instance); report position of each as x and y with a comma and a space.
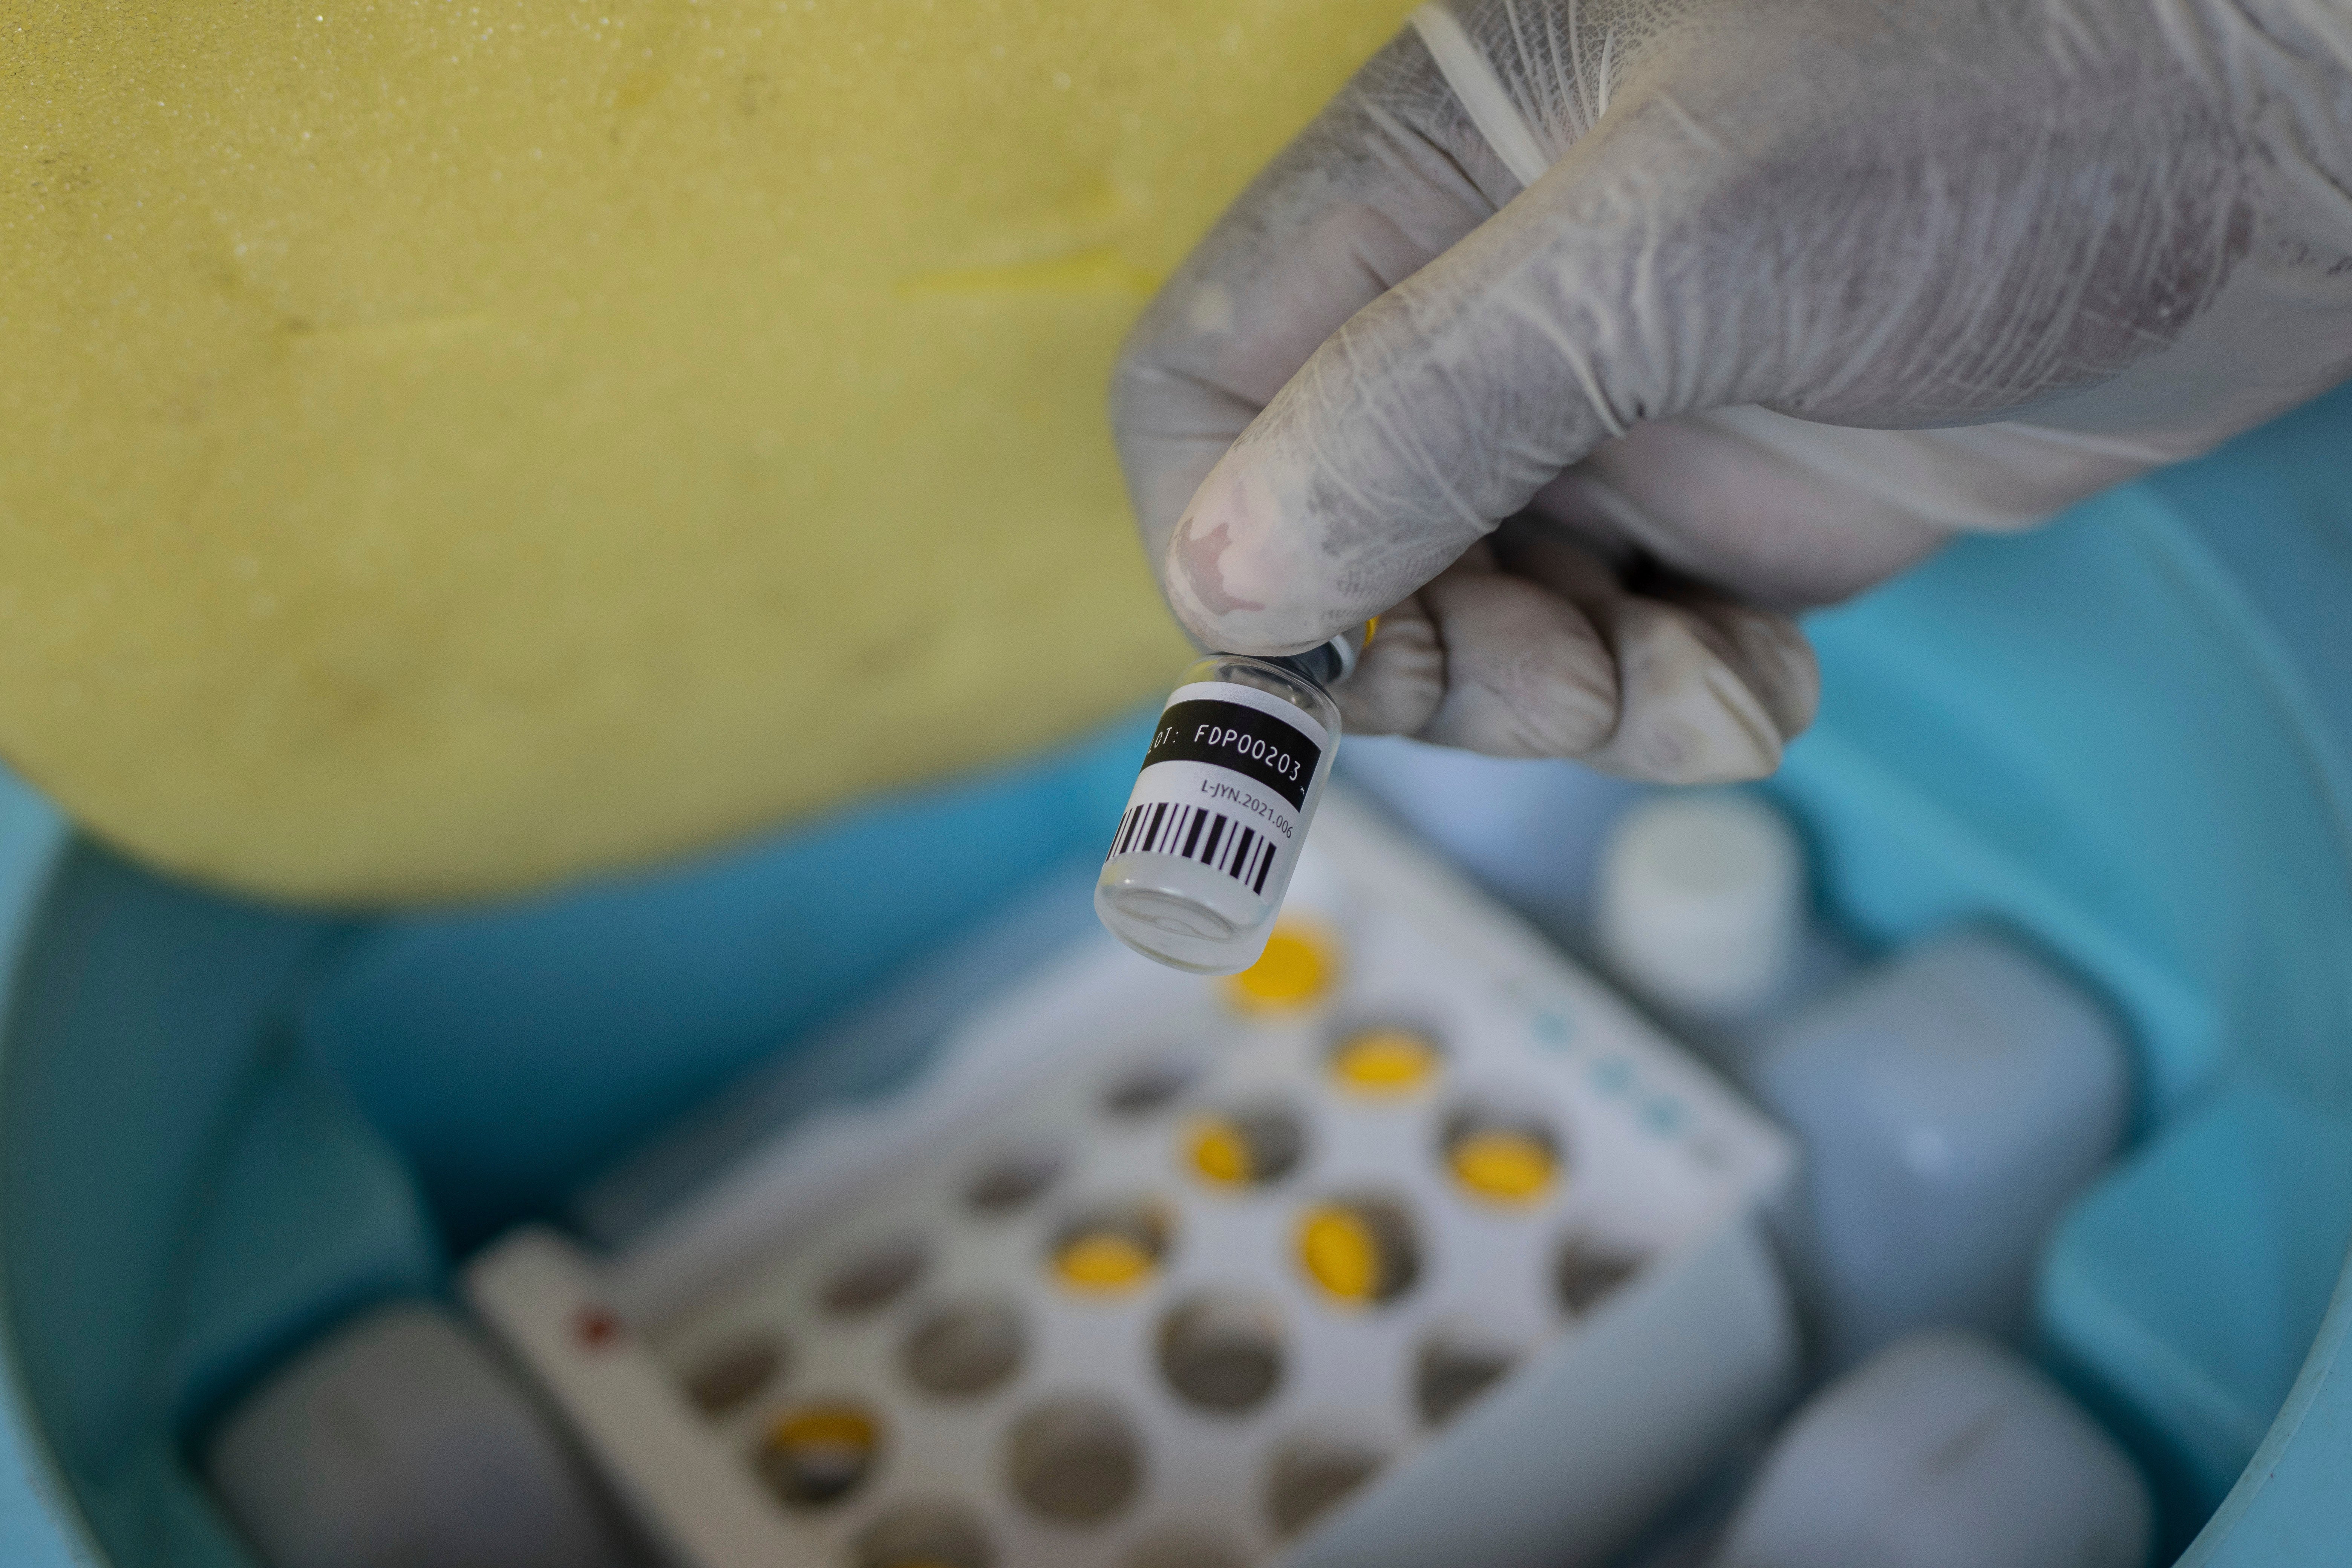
1445, 405
1439, 409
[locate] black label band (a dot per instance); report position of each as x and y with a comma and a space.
1258, 746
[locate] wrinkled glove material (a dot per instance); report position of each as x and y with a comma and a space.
1587, 339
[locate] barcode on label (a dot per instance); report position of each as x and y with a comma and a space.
1196, 832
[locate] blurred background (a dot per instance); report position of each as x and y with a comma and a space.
557, 563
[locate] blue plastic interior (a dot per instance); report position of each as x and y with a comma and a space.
224, 1127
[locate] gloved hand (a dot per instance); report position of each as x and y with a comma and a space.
1581, 339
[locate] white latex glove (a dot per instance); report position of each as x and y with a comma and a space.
1580, 340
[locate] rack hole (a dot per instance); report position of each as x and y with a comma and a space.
1112, 1248
1222, 1351
727, 1376
1251, 1146
923, 1534
1385, 1061
1141, 1091
1013, 1180
1456, 1366
1501, 1157
964, 1349
818, 1454
873, 1279
1311, 1475
1589, 1269
1075, 1460
1184, 1548
1360, 1251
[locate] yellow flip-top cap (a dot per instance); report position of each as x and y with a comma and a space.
1341, 1253
1505, 1164
818, 1454
825, 1426
1103, 1261
1220, 1150
1299, 966
1385, 1061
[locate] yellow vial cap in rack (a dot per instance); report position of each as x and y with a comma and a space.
1503, 1164
1220, 1150
1244, 1145
1299, 966
1103, 1260
1341, 1253
818, 1455
1112, 1249
1385, 1061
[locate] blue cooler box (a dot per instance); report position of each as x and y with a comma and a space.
225, 1127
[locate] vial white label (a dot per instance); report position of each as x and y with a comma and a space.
1225, 784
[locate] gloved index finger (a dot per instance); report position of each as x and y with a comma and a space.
1612, 293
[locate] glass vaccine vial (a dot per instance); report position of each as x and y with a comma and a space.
1205, 851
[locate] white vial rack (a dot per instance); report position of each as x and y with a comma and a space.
1413, 1244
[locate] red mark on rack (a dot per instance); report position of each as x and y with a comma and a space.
596, 1327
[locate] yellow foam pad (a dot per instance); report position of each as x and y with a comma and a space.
443, 448
1301, 965
1504, 1164
1221, 1152
1103, 1261
1384, 1061
1341, 1253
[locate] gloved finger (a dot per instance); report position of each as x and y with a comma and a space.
1400, 677
1708, 688
1685, 713
1703, 495
1391, 174
1446, 403
1527, 673
1530, 647
1767, 651
1762, 647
